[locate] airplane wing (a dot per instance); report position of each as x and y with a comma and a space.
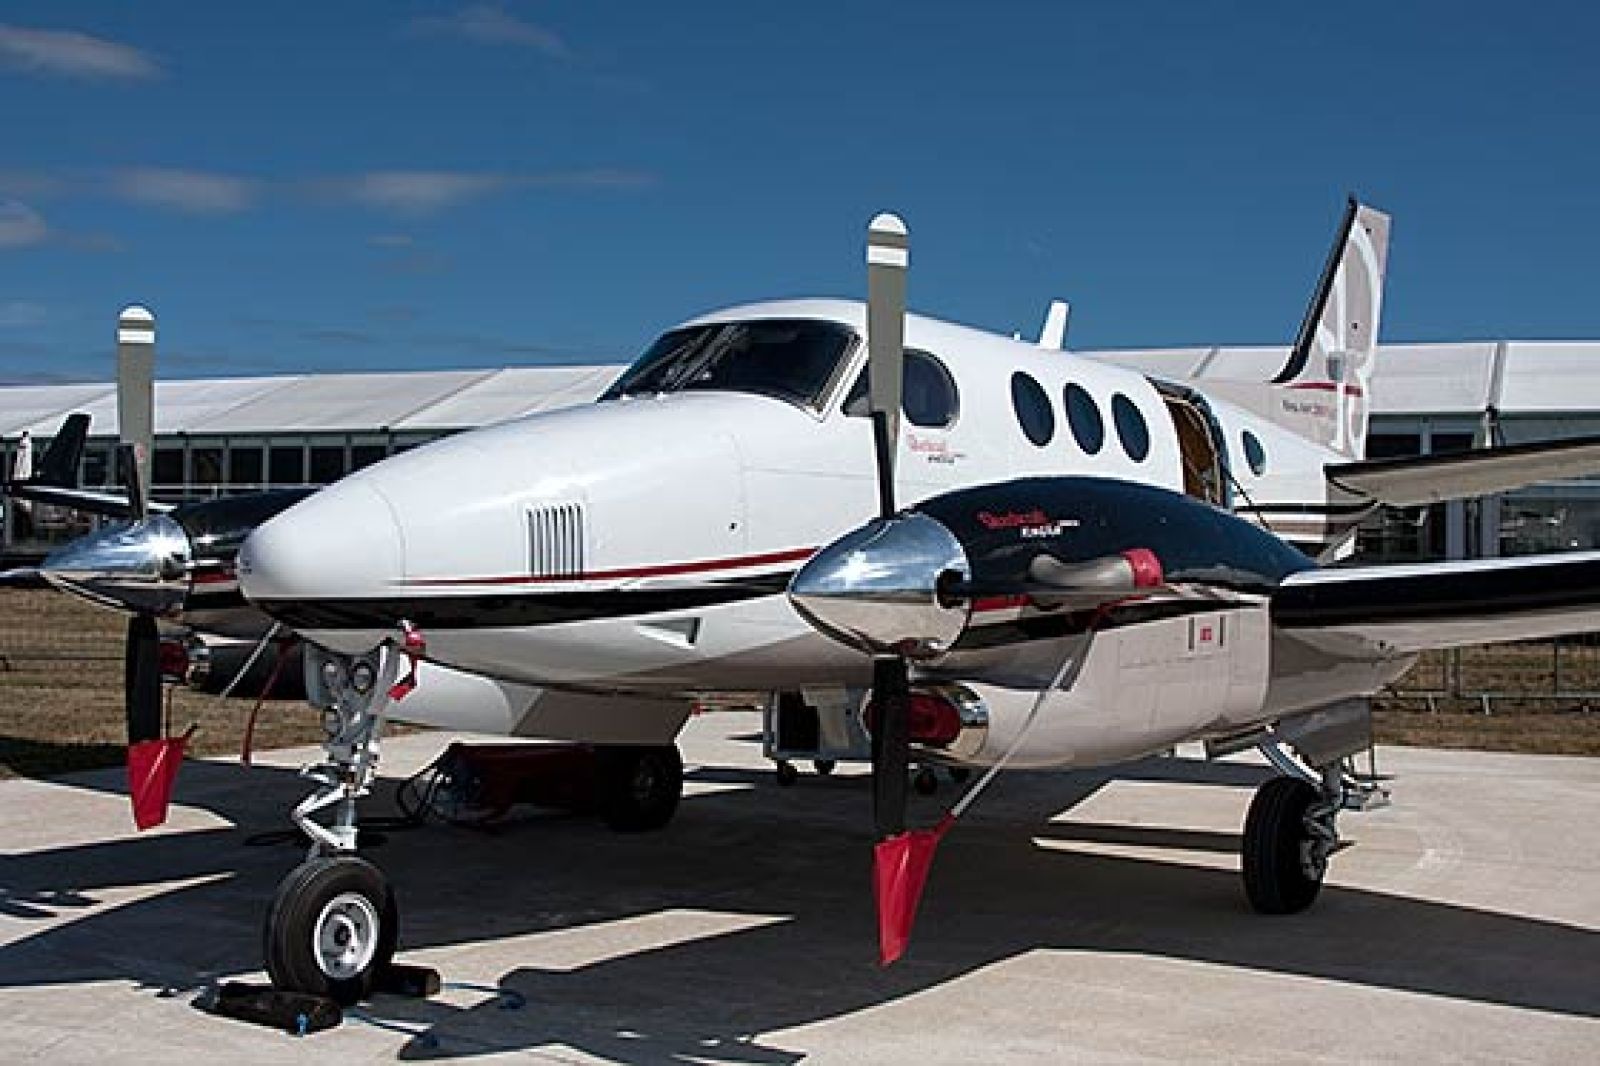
1425, 479
107, 504
1416, 607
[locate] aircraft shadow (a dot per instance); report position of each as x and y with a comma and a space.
790, 866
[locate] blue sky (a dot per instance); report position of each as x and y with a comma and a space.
370, 185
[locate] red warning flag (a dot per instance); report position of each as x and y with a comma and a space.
152, 771
899, 871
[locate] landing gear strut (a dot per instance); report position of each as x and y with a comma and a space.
1289, 835
333, 923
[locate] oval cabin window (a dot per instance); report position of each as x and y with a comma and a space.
1131, 428
1255, 454
1032, 405
1083, 415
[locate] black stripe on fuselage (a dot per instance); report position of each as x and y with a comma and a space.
501, 610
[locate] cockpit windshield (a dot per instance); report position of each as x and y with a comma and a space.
788, 359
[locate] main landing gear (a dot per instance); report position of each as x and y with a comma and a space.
1289, 835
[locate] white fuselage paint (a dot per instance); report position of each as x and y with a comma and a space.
679, 488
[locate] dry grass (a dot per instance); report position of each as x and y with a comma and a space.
61, 693
61, 697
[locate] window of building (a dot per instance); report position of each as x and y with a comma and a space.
928, 397
205, 466
286, 465
1083, 415
245, 465
167, 468
1032, 405
366, 454
97, 471
1255, 454
1131, 427
327, 463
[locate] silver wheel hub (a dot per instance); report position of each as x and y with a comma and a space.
346, 936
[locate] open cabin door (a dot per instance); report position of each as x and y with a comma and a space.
1200, 443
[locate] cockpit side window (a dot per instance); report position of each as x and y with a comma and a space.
788, 359
929, 397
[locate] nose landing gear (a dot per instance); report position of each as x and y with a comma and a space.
333, 923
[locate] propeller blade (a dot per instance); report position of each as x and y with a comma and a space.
138, 499
142, 679
888, 255
900, 868
891, 744
153, 760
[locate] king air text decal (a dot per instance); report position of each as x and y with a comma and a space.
1028, 524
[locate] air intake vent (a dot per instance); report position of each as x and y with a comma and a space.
555, 541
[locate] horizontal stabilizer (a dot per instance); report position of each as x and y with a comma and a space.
1425, 479
1415, 607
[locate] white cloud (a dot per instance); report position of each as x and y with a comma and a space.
417, 191
69, 54
193, 191
421, 192
491, 24
19, 314
21, 225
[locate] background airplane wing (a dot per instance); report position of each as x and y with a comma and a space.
1442, 605
1411, 482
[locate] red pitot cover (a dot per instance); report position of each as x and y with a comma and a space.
152, 771
899, 872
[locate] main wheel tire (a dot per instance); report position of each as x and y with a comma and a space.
639, 787
1275, 876
331, 928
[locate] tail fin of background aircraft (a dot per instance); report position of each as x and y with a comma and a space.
1324, 390
59, 465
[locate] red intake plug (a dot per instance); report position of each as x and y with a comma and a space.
935, 721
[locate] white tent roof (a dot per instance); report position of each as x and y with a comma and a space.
1518, 377
310, 403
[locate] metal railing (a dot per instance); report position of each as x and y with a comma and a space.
1565, 670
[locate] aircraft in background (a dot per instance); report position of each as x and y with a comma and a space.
1097, 565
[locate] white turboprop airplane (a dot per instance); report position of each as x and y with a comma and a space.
1099, 565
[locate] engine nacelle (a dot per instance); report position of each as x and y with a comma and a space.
1131, 692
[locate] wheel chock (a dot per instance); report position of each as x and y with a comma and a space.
402, 979
296, 1013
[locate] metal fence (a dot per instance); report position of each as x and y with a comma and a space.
1561, 674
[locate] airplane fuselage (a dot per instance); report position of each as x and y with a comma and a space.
642, 544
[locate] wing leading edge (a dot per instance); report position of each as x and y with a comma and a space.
1425, 479
1416, 607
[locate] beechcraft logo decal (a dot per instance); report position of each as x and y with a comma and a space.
934, 450
1028, 524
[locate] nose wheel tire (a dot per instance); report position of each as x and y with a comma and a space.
331, 929
1282, 870
639, 786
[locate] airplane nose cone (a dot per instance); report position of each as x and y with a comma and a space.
342, 542
140, 566
877, 588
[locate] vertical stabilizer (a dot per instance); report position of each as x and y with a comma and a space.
1324, 391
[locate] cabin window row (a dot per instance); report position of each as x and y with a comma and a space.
1036, 417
